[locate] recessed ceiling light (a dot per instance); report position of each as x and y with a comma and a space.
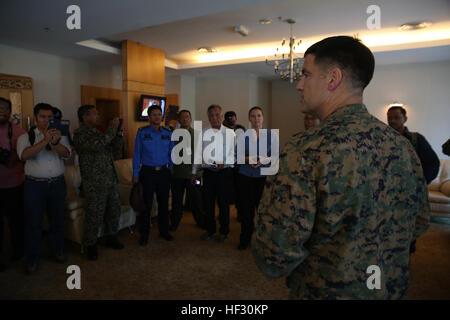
265, 21
206, 50
414, 26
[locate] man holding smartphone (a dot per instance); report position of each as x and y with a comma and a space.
44, 151
96, 150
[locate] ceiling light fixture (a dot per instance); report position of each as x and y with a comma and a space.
414, 26
207, 50
242, 30
288, 67
265, 21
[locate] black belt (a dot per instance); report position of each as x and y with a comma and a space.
217, 170
156, 168
49, 180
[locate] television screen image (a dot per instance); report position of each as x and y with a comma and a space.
148, 101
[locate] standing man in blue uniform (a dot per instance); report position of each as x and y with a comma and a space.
152, 150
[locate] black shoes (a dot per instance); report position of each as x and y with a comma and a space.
2, 266
60, 258
92, 252
222, 238
113, 243
207, 236
143, 241
32, 268
242, 246
167, 236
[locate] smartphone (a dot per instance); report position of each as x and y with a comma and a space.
120, 125
61, 125
197, 182
54, 124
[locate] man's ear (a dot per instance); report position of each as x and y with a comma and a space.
334, 78
406, 118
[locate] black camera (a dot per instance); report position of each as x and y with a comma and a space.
4, 155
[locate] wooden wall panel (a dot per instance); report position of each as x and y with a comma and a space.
24, 87
143, 72
143, 64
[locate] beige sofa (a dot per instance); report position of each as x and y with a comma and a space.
439, 191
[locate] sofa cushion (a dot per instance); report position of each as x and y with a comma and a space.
440, 207
124, 170
438, 197
73, 180
443, 175
75, 214
74, 202
445, 188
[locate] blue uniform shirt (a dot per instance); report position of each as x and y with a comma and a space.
152, 148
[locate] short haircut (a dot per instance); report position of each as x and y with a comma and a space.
84, 111
42, 106
152, 108
184, 110
402, 110
8, 102
255, 108
350, 54
214, 106
230, 114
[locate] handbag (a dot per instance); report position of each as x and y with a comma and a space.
137, 197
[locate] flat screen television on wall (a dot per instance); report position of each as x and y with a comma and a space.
147, 101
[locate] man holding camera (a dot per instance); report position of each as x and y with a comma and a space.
95, 150
11, 183
44, 150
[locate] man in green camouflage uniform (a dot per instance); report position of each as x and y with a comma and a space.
349, 194
99, 180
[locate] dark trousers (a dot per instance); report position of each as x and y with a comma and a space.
250, 190
11, 208
178, 186
218, 184
155, 182
40, 197
102, 208
236, 194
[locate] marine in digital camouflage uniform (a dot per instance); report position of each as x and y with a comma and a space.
350, 193
99, 179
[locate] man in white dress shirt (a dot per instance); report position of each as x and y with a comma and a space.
217, 148
43, 151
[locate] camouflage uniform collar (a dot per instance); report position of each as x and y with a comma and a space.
349, 109
87, 128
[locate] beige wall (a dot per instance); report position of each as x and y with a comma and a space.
57, 80
285, 112
232, 93
423, 87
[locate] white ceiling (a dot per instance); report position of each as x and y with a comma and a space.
179, 27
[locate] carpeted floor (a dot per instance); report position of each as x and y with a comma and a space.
189, 268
